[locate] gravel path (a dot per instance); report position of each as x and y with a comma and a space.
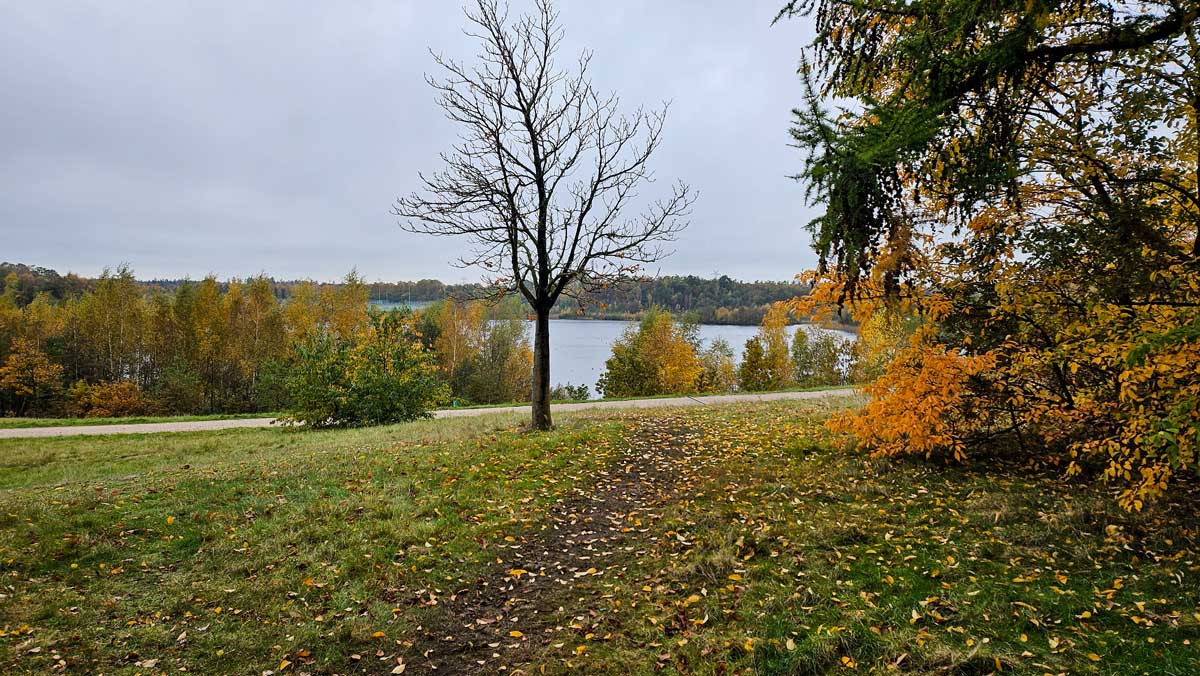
208, 425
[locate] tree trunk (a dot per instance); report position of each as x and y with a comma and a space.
541, 371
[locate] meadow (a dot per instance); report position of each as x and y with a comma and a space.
715, 541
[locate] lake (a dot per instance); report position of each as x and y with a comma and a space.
579, 347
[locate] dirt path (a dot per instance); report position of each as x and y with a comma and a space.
509, 616
209, 425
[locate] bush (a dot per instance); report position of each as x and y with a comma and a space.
655, 357
380, 376
109, 400
752, 372
179, 389
570, 392
720, 370
501, 370
820, 358
766, 363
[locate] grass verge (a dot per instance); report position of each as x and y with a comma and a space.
764, 552
20, 423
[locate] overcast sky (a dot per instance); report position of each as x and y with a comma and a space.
188, 138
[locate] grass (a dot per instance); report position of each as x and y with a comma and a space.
19, 423
265, 550
650, 397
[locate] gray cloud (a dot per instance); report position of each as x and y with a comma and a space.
189, 138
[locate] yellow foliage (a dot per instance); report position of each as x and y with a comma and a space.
108, 400
461, 335
777, 360
28, 374
652, 358
1101, 385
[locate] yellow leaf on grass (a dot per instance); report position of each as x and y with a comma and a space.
515, 634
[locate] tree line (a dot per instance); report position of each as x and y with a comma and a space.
720, 300
717, 300
118, 347
324, 354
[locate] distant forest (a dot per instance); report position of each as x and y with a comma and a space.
709, 301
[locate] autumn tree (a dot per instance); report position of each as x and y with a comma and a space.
752, 372
482, 349
111, 323
29, 378
459, 337
719, 372
777, 362
545, 174
503, 365
11, 319
1023, 178
653, 357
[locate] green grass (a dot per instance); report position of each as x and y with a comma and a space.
17, 423
803, 560
812, 388
235, 551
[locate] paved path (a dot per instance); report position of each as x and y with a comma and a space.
208, 425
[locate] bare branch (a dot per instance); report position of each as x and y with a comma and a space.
545, 168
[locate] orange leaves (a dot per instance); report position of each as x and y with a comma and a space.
1074, 374
917, 405
28, 374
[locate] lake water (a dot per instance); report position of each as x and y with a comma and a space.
579, 347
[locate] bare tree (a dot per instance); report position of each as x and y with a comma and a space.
544, 168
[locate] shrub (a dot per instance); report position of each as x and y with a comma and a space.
752, 372
570, 392
720, 370
655, 357
179, 389
820, 358
381, 375
502, 368
767, 364
109, 400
